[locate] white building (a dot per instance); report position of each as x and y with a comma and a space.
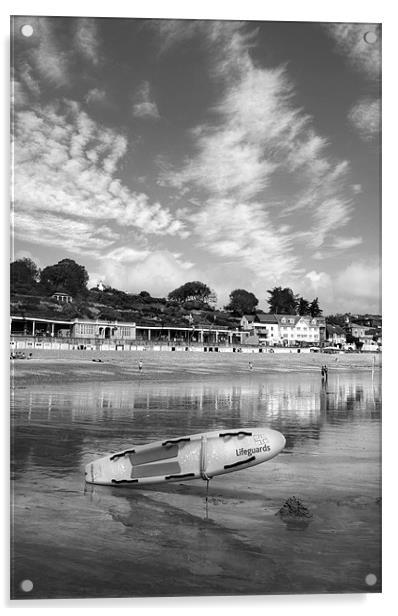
296, 329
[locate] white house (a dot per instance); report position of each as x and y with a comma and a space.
295, 329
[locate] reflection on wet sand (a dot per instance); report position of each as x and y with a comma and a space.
158, 541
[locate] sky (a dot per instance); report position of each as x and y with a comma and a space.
244, 154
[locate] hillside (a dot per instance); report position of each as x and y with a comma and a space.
114, 305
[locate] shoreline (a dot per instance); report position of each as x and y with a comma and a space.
62, 367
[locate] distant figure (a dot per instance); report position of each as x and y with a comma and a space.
140, 365
250, 365
326, 372
323, 373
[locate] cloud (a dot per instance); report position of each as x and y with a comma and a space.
365, 117
65, 163
159, 272
357, 287
330, 215
257, 135
48, 60
86, 39
344, 243
351, 42
144, 106
95, 95
73, 235
243, 233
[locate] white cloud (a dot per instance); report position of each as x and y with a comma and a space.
257, 135
344, 243
330, 215
360, 281
158, 272
95, 95
365, 117
75, 236
86, 38
66, 164
356, 288
351, 42
144, 105
243, 233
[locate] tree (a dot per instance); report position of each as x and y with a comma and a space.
24, 275
191, 291
303, 307
67, 276
315, 310
337, 319
282, 301
242, 302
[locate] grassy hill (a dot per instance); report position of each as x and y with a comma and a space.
114, 305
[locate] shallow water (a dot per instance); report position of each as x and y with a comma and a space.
75, 540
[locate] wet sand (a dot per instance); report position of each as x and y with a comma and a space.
75, 540
76, 366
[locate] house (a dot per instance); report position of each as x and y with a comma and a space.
295, 329
356, 330
336, 335
62, 297
247, 320
261, 329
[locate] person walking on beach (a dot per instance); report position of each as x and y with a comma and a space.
250, 365
140, 365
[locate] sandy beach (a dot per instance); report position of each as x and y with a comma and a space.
73, 540
73, 366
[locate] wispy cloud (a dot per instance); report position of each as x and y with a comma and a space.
244, 233
49, 229
365, 117
66, 164
258, 132
95, 95
144, 106
344, 243
86, 38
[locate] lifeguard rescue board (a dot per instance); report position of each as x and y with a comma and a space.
196, 456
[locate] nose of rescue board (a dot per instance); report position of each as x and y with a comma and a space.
189, 457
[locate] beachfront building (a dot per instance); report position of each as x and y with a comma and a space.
86, 332
336, 336
283, 329
262, 329
77, 328
295, 329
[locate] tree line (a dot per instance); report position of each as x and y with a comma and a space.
69, 277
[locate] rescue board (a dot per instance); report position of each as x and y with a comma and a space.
203, 455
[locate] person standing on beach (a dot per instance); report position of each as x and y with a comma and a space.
140, 365
250, 365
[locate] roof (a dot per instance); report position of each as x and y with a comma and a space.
335, 329
290, 319
249, 317
61, 293
266, 318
